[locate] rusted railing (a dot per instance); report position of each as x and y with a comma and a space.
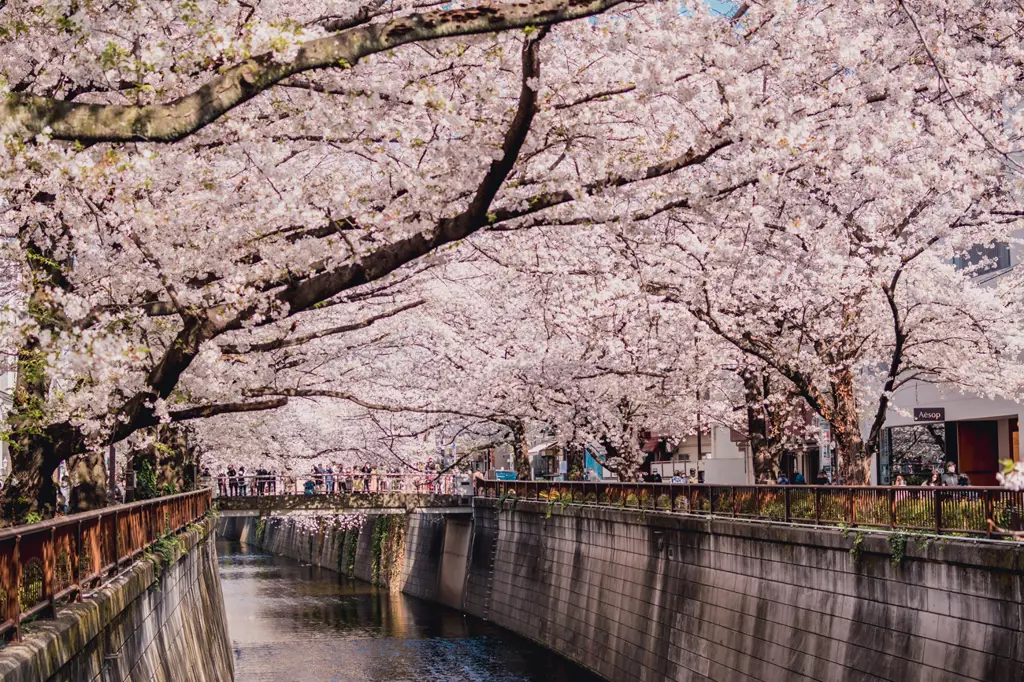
45, 563
989, 512
335, 484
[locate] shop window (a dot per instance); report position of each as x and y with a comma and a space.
916, 451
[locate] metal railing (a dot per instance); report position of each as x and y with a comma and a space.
974, 511
336, 484
44, 563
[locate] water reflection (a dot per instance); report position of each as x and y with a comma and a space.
289, 621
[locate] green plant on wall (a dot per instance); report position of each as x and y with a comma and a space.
388, 547
858, 547
351, 544
898, 544
145, 481
261, 530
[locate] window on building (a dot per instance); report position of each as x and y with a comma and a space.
985, 258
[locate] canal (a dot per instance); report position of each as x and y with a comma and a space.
289, 621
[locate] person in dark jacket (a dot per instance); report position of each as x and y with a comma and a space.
951, 478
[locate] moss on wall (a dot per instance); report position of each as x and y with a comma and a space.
388, 549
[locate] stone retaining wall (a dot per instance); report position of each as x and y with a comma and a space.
398, 550
659, 597
152, 624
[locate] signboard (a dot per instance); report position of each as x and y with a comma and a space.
502, 475
929, 414
563, 467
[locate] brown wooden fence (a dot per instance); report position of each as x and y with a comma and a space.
974, 511
45, 563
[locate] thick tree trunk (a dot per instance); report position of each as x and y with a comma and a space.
766, 422
31, 492
854, 461
520, 451
757, 425
88, 474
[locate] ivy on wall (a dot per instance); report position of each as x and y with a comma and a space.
388, 549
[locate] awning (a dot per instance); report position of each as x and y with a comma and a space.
537, 449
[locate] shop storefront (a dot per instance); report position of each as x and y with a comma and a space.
914, 451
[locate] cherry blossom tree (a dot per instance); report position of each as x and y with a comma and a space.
85, 217
199, 202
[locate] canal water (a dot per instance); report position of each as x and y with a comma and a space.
290, 622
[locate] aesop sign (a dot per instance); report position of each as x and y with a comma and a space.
929, 414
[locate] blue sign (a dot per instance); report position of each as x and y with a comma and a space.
505, 475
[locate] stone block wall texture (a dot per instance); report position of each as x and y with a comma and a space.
415, 570
424, 544
662, 597
149, 625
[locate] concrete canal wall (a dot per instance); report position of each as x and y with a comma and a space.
651, 597
659, 597
161, 621
422, 552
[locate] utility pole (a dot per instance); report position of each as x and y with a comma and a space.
699, 442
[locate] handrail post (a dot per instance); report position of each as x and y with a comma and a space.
990, 514
817, 506
76, 563
937, 494
892, 507
49, 568
851, 508
785, 496
113, 542
14, 589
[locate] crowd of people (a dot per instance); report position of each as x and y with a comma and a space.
330, 479
369, 478
948, 478
693, 477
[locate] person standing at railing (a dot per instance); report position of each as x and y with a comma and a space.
241, 482
431, 471
329, 478
222, 484
365, 478
952, 479
232, 481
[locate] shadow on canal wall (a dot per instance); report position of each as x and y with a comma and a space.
161, 621
660, 597
422, 552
